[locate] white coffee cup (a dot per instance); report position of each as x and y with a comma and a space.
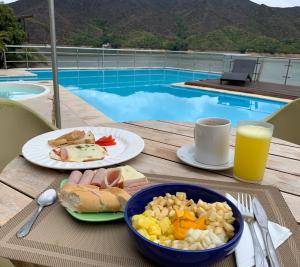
212, 141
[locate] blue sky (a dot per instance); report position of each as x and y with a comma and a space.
275, 3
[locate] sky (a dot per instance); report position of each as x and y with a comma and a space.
278, 3
274, 3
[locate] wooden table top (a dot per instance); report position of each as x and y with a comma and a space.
21, 181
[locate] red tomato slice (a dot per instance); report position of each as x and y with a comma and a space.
105, 139
102, 138
109, 144
110, 138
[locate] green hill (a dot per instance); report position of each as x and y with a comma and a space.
219, 25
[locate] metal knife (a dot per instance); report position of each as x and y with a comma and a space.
262, 220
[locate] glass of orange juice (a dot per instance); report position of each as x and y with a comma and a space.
252, 145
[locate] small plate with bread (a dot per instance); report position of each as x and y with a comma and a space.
100, 195
83, 148
91, 216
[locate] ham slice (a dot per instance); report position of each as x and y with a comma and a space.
133, 190
74, 177
135, 182
137, 186
87, 177
64, 154
99, 178
113, 177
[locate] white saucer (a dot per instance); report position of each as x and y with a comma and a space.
186, 154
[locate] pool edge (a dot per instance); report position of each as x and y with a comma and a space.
211, 89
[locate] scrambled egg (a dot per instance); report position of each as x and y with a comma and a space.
151, 228
177, 222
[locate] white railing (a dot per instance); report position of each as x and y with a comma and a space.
269, 69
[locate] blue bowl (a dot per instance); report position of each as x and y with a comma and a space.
166, 256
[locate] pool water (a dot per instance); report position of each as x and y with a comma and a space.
16, 91
147, 94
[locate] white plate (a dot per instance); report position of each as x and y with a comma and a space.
187, 154
129, 145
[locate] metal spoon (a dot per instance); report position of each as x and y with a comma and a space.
47, 198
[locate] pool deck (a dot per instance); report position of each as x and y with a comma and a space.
74, 111
15, 73
257, 88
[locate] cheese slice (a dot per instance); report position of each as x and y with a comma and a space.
129, 173
130, 177
81, 152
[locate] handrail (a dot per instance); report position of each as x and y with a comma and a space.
123, 49
151, 50
87, 57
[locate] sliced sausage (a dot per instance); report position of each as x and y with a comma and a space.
87, 177
99, 178
74, 177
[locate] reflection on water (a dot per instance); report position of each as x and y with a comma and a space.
150, 97
153, 105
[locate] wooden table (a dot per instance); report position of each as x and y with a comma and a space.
21, 182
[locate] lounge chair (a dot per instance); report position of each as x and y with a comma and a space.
286, 122
242, 71
18, 124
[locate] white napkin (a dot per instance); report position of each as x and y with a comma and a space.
244, 252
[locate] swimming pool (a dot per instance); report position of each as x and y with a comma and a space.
21, 91
147, 94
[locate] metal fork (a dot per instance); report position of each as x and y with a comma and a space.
244, 204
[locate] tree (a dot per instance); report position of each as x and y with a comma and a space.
142, 39
10, 28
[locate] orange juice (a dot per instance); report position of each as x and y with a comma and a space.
251, 151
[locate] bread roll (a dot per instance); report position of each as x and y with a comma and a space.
74, 137
89, 198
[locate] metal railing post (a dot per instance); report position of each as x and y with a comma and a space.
26, 56
4, 59
224, 62
98, 58
287, 72
165, 59
177, 61
261, 68
134, 59
118, 60
77, 62
194, 63
102, 58
256, 69
230, 63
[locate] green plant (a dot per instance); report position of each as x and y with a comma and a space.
10, 29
